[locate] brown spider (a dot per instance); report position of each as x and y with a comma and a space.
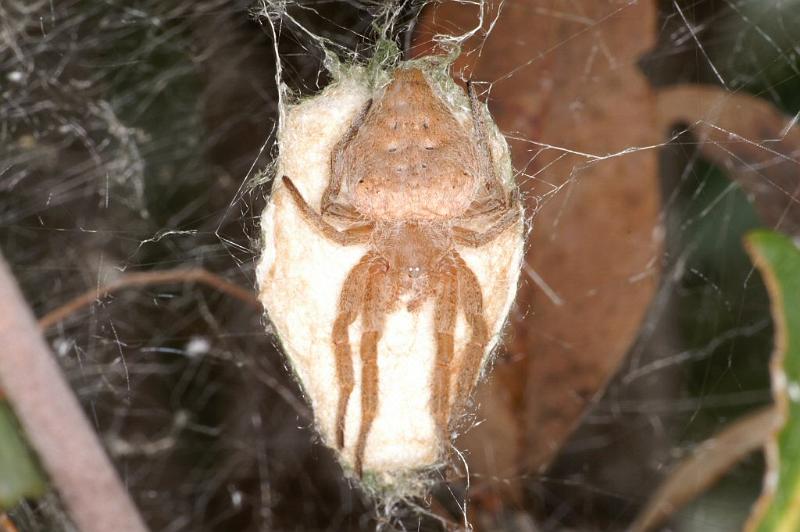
403, 177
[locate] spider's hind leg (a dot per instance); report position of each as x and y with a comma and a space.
328, 204
494, 197
358, 234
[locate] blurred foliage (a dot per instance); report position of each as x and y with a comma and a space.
778, 258
755, 44
723, 308
20, 475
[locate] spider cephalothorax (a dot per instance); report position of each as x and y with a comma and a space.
403, 179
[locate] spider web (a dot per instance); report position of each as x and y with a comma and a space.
134, 136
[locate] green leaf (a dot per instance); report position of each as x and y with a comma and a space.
20, 475
778, 259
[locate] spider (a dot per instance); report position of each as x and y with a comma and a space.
403, 179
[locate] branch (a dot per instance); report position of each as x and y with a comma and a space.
198, 275
6, 525
55, 424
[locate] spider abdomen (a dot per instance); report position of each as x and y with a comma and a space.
411, 159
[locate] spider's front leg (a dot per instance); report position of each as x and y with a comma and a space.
377, 293
351, 300
444, 322
470, 300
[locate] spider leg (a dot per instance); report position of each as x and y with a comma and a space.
376, 294
444, 323
369, 394
471, 302
484, 207
495, 190
342, 211
359, 234
335, 184
350, 302
474, 239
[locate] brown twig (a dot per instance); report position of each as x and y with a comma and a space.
706, 465
196, 275
55, 424
753, 141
